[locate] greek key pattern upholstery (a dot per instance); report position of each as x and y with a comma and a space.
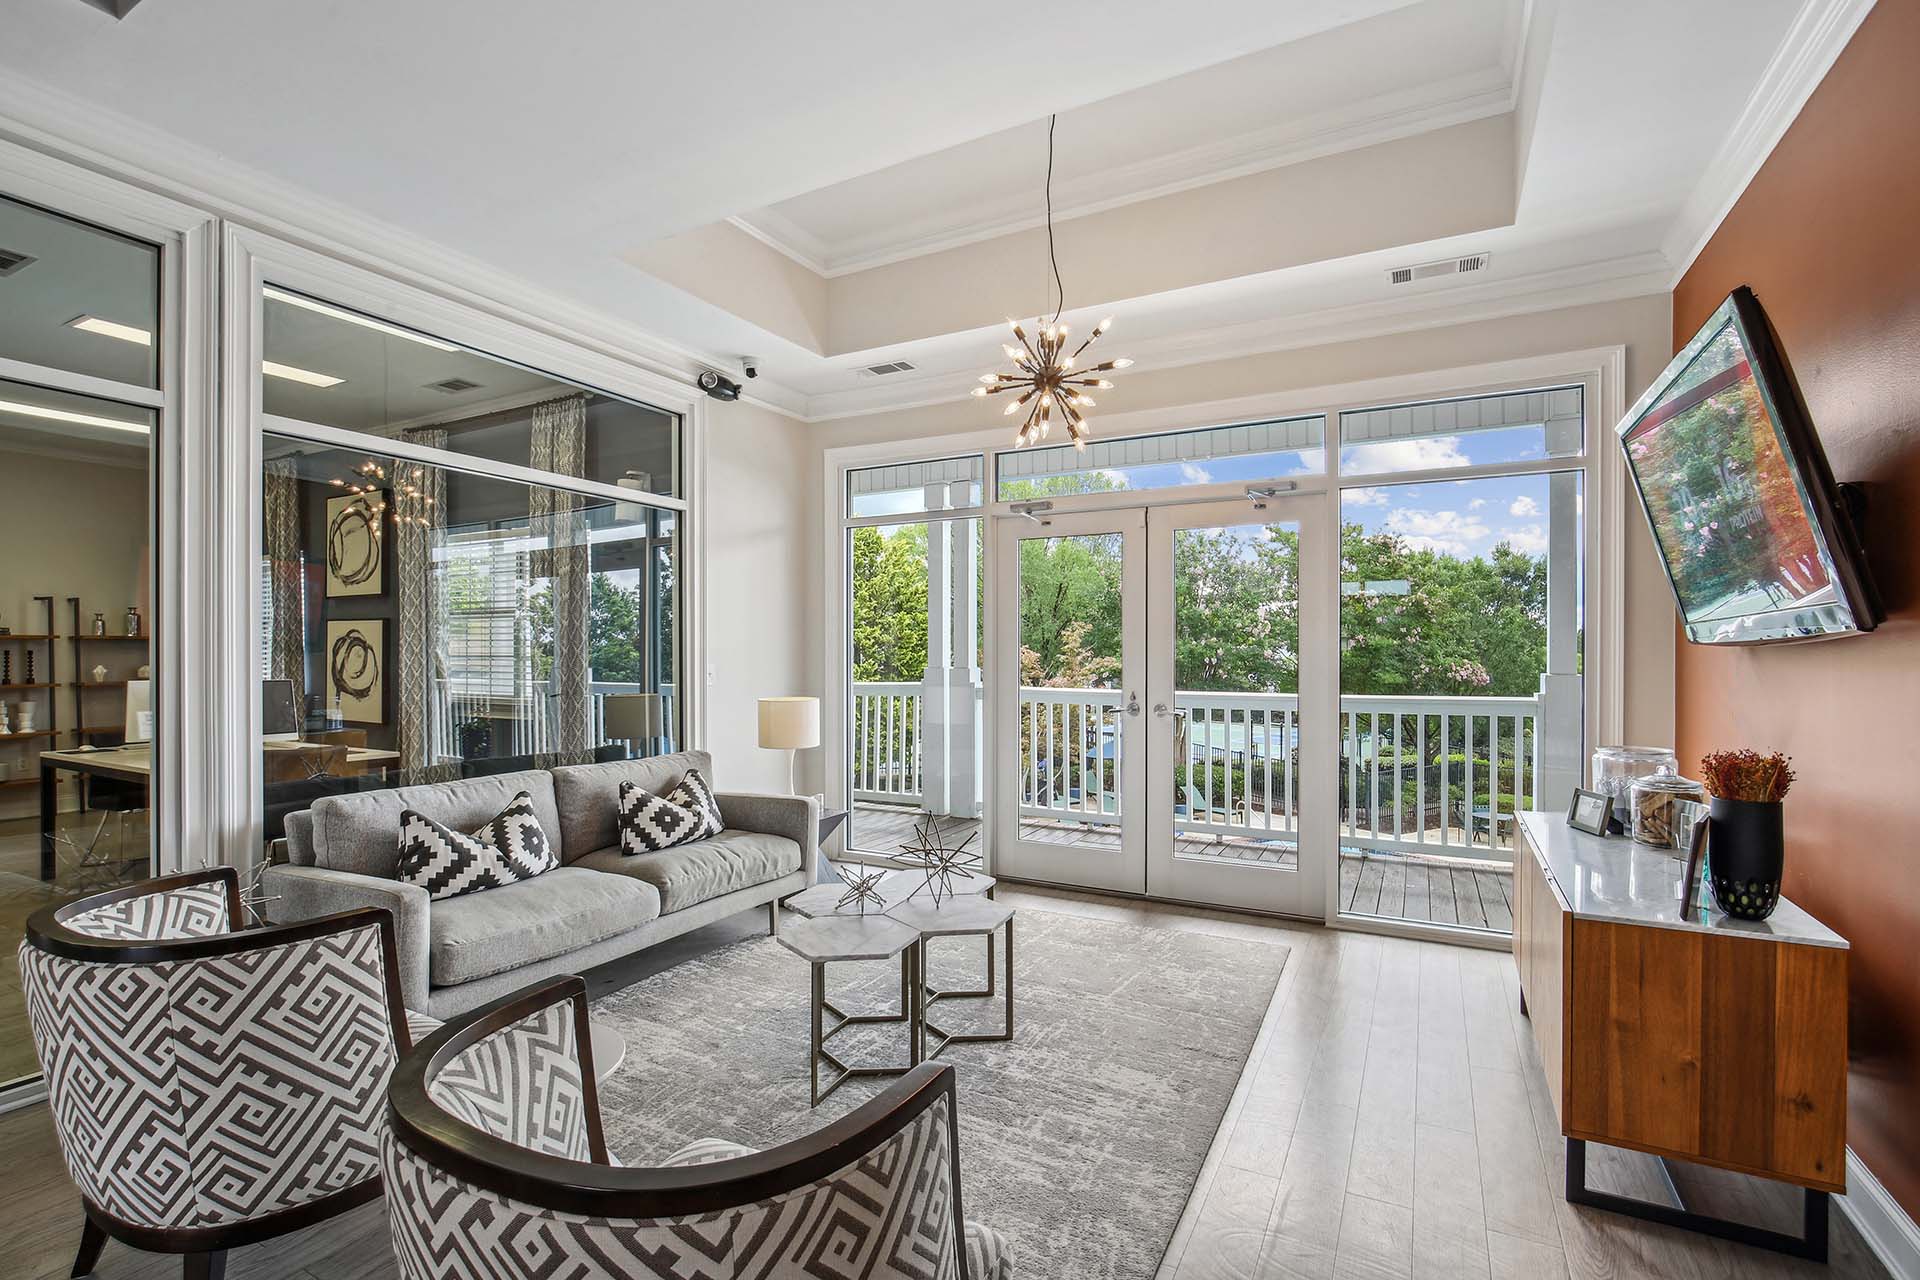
888, 1216
193, 911
523, 1085
210, 1091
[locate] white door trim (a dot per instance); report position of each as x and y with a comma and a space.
1123, 871
1248, 887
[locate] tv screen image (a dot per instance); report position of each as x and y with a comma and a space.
1753, 531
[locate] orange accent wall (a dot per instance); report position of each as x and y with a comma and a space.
1828, 236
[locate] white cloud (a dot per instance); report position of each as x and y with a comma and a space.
1448, 532
1476, 504
1528, 540
1364, 497
1191, 474
1524, 506
1422, 453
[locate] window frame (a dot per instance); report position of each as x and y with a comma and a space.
252, 259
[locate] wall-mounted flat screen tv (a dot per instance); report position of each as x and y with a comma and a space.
1759, 543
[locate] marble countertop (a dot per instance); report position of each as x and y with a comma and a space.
1612, 878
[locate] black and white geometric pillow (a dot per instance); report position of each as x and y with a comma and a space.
650, 823
509, 848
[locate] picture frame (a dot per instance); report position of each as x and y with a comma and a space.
355, 664
356, 553
1590, 811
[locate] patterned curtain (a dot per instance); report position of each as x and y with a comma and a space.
286, 640
560, 446
419, 499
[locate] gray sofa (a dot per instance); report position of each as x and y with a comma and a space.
599, 905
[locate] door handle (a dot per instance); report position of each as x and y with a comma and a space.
1160, 709
1133, 704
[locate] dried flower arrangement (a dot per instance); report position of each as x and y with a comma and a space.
1747, 775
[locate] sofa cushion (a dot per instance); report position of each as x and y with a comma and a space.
690, 873
588, 795
480, 934
357, 832
447, 863
650, 823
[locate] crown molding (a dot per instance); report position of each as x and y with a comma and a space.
1350, 127
1607, 280
1813, 43
118, 147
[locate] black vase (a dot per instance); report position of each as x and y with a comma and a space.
1746, 855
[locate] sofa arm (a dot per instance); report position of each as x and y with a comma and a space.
301, 893
795, 817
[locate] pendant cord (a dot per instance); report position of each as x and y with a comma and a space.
1059, 289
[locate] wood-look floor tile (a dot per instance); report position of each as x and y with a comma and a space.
1231, 1232
1376, 1241
1512, 1179
1514, 1258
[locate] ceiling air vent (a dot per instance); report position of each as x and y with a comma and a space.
882, 370
453, 386
1444, 267
11, 262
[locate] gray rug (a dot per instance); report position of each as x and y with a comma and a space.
1081, 1139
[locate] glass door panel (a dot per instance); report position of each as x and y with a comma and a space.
1068, 687
1227, 660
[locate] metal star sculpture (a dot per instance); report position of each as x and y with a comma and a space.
863, 886
928, 852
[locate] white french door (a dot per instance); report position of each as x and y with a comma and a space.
1153, 735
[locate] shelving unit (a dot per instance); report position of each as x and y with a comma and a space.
40, 644
82, 639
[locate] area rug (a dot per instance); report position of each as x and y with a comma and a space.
1080, 1140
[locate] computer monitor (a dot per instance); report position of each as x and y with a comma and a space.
279, 713
139, 726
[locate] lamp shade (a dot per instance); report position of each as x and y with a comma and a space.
631, 716
789, 724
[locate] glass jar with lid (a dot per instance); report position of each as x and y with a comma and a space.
1615, 769
1653, 813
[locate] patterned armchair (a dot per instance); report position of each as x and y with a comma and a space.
497, 1169
212, 1086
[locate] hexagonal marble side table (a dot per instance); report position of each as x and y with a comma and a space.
959, 916
823, 939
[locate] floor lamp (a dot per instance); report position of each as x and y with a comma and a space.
791, 725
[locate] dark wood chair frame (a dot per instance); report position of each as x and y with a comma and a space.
206, 1247
603, 1190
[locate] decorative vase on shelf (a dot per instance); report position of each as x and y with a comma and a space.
133, 621
26, 717
99, 624
1746, 855
143, 672
29, 666
100, 675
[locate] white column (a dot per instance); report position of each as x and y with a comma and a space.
1557, 738
950, 703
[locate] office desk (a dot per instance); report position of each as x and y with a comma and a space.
1708, 1039
135, 764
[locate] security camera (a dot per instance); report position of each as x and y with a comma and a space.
750, 365
718, 385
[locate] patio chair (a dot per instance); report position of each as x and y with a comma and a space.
212, 1086
497, 1169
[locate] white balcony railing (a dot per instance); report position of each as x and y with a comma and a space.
524, 723
1416, 774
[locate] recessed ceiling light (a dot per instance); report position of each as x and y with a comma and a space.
340, 313
292, 374
111, 329
68, 415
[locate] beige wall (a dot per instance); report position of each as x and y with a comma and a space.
762, 618
1641, 325
68, 527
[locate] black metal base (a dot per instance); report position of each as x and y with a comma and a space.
937, 1037
1811, 1243
912, 1012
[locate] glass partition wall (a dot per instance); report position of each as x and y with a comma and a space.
79, 427
468, 567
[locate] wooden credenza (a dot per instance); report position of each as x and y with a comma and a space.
1710, 1040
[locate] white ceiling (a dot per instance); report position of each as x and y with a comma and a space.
547, 141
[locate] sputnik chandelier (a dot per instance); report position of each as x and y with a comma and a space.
1045, 382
